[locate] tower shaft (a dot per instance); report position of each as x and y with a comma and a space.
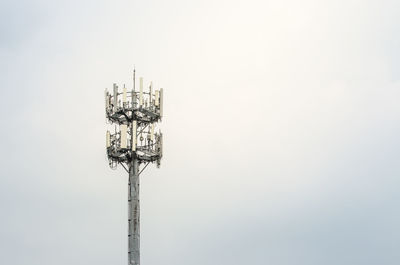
133, 214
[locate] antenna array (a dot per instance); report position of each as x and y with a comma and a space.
133, 142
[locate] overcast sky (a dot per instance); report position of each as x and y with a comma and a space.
281, 130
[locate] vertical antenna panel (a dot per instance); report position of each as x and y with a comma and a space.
124, 95
115, 99
134, 80
141, 92
161, 102
134, 125
123, 130
161, 145
151, 92
157, 97
108, 141
106, 98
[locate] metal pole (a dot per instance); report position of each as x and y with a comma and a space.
134, 214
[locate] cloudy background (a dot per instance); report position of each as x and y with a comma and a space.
282, 124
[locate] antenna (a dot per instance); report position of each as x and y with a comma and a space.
150, 92
134, 79
123, 137
141, 92
123, 148
157, 98
124, 95
115, 101
108, 141
161, 102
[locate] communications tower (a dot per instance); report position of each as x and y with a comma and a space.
134, 144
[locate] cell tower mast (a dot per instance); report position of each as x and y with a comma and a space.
134, 145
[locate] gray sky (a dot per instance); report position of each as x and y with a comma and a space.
281, 129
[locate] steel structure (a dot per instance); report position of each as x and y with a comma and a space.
134, 144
